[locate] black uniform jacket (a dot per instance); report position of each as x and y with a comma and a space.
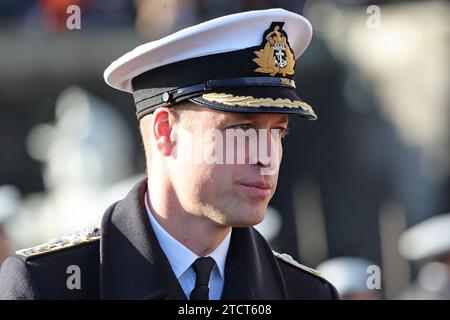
123, 260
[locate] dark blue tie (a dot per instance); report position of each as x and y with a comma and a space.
202, 267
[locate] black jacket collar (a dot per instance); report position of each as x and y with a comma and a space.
133, 265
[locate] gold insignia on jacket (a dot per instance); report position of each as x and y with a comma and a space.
84, 236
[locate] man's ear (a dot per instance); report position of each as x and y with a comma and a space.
164, 121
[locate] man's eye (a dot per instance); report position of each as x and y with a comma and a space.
283, 131
243, 126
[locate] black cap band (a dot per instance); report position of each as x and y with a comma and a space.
147, 100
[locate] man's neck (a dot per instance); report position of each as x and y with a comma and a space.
198, 233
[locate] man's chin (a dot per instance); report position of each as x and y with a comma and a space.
247, 218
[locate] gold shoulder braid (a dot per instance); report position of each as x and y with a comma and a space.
287, 258
73, 239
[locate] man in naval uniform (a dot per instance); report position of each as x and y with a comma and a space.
186, 232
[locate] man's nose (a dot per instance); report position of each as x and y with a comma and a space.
265, 153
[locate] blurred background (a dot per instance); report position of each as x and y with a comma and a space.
365, 186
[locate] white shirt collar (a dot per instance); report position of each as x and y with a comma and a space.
180, 257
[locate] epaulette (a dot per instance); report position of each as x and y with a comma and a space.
287, 258
81, 237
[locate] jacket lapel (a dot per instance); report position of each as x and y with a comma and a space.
133, 265
251, 270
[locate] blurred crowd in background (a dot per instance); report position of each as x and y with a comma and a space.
368, 184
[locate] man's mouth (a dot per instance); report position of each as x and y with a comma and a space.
257, 189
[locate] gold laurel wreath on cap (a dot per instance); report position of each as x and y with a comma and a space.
265, 57
249, 101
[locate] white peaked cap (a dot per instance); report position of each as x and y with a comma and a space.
428, 239
224, 34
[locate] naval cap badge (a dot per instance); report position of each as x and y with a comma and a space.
276, 56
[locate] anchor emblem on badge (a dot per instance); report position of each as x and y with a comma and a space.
280, 62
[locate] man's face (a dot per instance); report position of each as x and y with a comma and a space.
208, 174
